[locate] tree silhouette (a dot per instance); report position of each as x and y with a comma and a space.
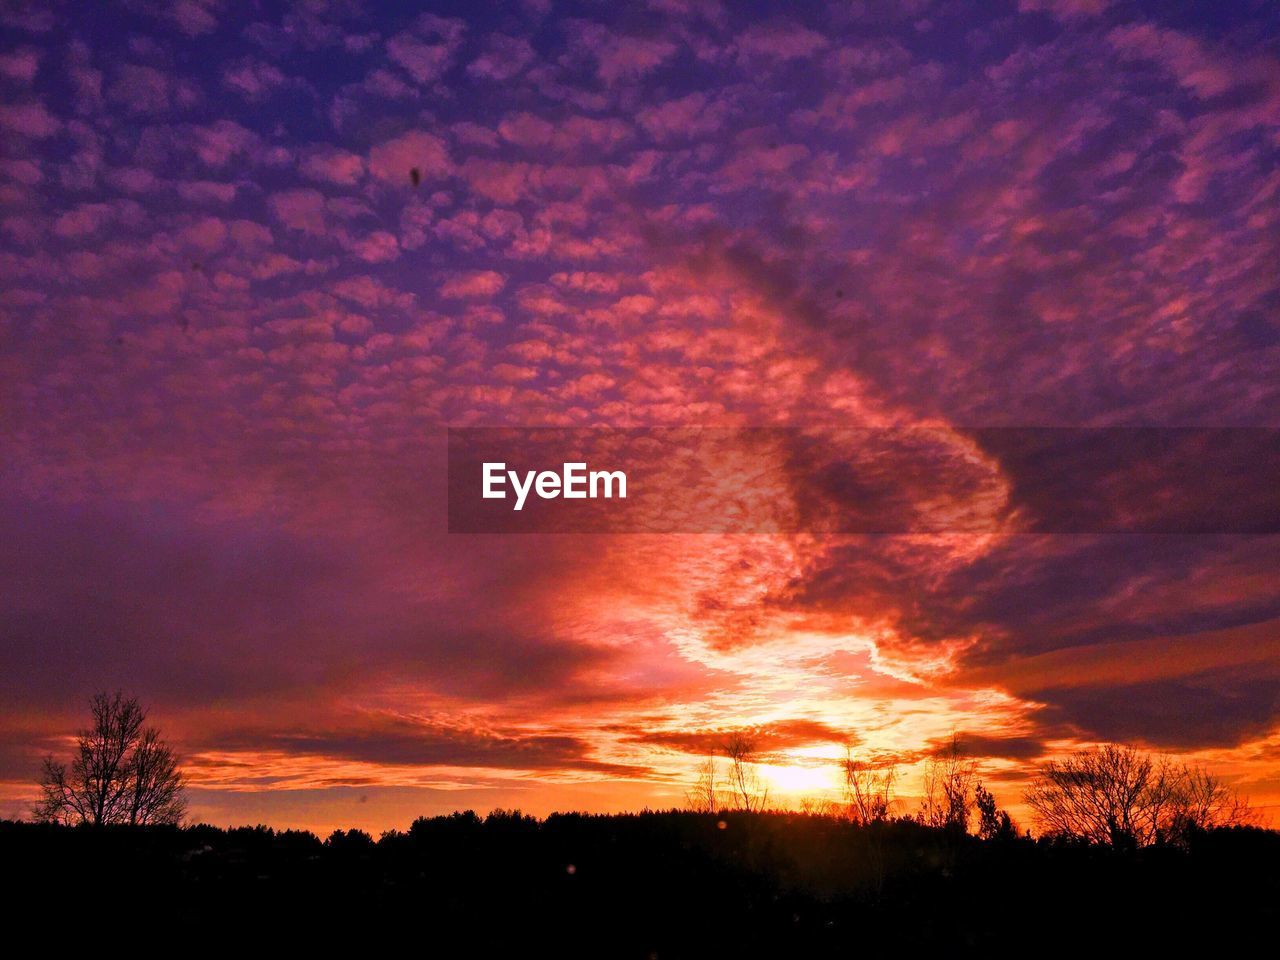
121, 773
703, 796
993, 823
948, 789
868, 789
1118, 796
749, 792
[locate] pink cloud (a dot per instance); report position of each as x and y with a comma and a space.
274, 265
302, 210
426, 51
778, 41
424, 62
620, 57
461, 231
1184, 57
193, 17
85, 80
29, 120
249, 236
473, 284
25, 172
1065, 9
86, 219
688, 117
503, 58
206, 191
377, 247
591, 133
392, 160
751, 164
566, 137
160, 295
371, 293
331, 165
840, 109
587, 282
497, 180
206, 234
253, 79
141, 89
132, 179
221, 141
384, 83
20, 65
527, 130
630, 57
473, 134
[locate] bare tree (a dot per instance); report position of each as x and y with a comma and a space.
156, 795
702, 797
868, 796
744, 780
1203, 801
949, 779
1119, 796
868, 789
122, 772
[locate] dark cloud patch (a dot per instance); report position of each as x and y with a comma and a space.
1140, 480
21, 751
141, 596
769, 738
149, 599
405, 743
1033, 593
981, 746
500, 665
1211, 709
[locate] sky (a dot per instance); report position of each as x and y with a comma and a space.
259, 258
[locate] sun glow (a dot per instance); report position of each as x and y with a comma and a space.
810, 780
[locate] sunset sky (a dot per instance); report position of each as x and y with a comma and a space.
234, 332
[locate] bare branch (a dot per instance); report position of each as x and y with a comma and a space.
120, 773
1118, 796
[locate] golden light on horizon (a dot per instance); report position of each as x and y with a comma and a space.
807, 778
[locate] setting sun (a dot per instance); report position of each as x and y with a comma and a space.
808, 779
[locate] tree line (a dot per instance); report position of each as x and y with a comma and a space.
1113, 794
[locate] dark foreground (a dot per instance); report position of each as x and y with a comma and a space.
652, 884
